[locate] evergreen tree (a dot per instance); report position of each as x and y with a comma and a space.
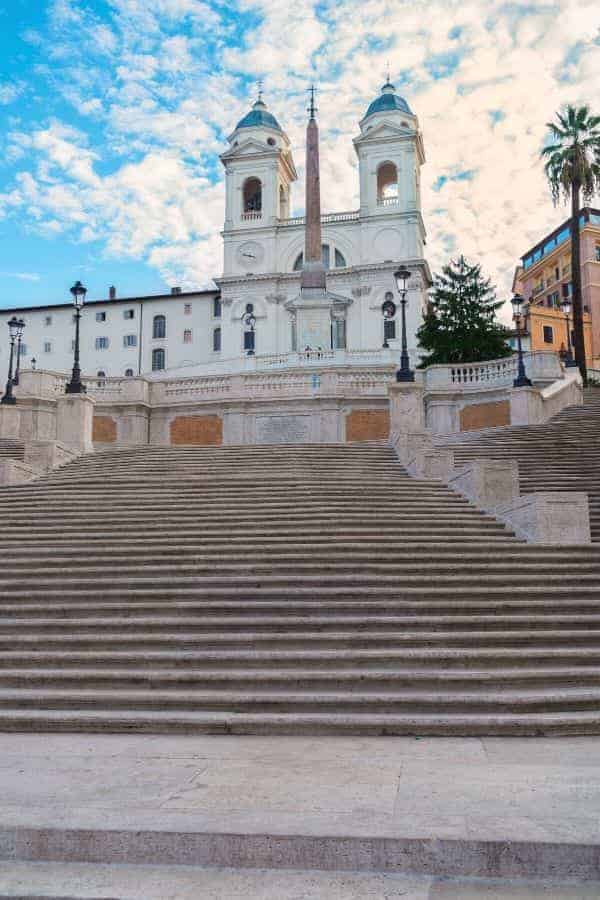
460, 325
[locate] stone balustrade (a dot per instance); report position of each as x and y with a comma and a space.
541, 366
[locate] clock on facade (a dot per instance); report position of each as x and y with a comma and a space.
250, 255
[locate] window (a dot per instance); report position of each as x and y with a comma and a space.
217, 340
187, 309
129, 373
187, 336
101, 374
130, 340
252, 196
548, 334
158, 359
23, 349
248, 340
159, 327
129, 313
340, 261
556, 273
102, 343
338, 334
47, 347
217, 307
48, 320
553, 299
389, 329
387, 183
100, 317
597, 252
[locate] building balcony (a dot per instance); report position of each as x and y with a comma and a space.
255, 214
387, 201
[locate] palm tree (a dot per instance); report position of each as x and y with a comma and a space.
573, 168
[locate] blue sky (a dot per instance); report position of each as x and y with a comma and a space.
113, 113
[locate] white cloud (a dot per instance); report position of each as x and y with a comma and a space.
22, 276
166, 84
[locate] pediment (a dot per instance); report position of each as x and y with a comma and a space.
248, 148
383, 130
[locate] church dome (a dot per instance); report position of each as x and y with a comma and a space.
259, 115
387, 101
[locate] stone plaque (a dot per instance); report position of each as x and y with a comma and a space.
282, 429
314, 329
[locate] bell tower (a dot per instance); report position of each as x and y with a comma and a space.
259, 172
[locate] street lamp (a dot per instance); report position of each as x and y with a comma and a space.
565, 305
404, 373
521, 380
13, 330
20, 329
75, 386
250, 322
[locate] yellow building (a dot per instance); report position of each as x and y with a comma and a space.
544, 278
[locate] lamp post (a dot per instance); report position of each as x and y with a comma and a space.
404, 373
250, 322
521, 380
20, 329
566, 308
13, 329
75, 386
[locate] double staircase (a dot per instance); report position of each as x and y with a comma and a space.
561, 455
284, 589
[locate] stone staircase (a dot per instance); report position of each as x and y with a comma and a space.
284, 589
11, 449
562, 455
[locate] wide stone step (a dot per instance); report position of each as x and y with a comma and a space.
461, 658
509, 700
298, 678
158, 721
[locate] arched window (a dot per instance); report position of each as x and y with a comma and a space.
387, 183
159, 327
101, 374
252, 195
129, 373
217, 340
339, 258
158, 359
388, 311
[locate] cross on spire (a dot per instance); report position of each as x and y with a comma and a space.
260, 89
387, 72
312, 108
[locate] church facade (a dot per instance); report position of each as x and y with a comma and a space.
264, 244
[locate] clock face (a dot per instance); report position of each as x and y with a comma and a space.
250, 255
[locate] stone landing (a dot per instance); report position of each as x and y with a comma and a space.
421, 808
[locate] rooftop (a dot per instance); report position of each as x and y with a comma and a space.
112, 302
259, 116
388, 100
559, 236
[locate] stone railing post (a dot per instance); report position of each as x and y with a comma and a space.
74, 421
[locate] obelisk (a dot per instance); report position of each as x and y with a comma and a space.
313, 270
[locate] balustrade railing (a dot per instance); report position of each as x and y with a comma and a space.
326, 219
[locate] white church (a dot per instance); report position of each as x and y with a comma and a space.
253, 315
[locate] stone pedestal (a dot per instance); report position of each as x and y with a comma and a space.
74, 421
526, 406
489, 483
43, 456
432, 464
13, 471
549, 517
407, 409
10, 422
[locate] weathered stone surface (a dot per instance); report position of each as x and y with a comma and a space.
10, 421
74, 421
488, 483
485, 415
104, 430
43, 456
13, 471
434, 464
283, 429
549, 517
367, 425
201, 430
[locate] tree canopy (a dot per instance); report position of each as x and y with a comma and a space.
573, 157
460, 325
